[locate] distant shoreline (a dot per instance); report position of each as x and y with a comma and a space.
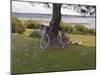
79, 16
46, 22
46, 18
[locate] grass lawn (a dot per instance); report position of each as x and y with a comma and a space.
87, 40
28, 57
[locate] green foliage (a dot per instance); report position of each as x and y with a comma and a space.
17, 26
67, 27
31, 24
92, 31
76, 29
81, 29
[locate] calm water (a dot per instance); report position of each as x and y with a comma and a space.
86, 21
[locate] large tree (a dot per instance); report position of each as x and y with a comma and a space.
55, 24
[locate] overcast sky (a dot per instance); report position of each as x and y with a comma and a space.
24, 7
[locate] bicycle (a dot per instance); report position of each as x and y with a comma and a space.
45, 39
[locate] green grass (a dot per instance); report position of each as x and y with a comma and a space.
28, 57
28, 32
87, 40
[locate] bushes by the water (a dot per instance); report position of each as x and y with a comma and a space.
76, 29
92, 31
80, 29
31, 24
17, 26
67, 27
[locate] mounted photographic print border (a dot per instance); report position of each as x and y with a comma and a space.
46, 42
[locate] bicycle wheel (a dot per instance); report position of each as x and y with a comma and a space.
44, 42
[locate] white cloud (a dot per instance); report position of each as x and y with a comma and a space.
69, 12
24, 7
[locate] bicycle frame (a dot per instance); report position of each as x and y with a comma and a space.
43, 38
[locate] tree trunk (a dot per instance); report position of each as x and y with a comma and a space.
55, 24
